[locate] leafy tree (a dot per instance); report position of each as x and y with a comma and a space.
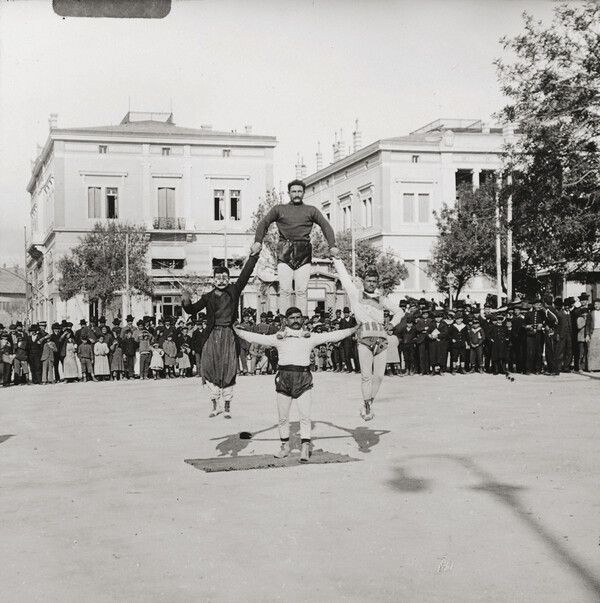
95, 268
466, 243
552, 81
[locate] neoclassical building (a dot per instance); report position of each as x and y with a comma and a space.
387, 191
194, 190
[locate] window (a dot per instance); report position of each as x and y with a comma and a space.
226, 152
327, 215
411, 281
367, 209
158, 264
219, 205
94, 202
112, 203
408, 210
425, 281
102, 149
166, 151
232, 263
423, 208
347, 217
235, 208
166, 202
415, 159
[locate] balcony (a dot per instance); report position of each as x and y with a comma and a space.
168, 223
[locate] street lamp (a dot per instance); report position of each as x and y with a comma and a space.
451, 280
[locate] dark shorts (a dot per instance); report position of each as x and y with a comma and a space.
294, 253
377, 345
293, 383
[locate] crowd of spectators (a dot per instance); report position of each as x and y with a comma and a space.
544, 335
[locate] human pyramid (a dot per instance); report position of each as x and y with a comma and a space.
293, 381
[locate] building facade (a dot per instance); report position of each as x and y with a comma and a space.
194, 190
387, 191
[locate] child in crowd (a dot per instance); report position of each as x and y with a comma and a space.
71, 368
183, 361
20, 365
117, 366
101, 365
48, 352
85, 352
476, 339
145, 350
170, 357
156, 362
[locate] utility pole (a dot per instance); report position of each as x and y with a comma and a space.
127, 273
509, 236
498, 257
26, 283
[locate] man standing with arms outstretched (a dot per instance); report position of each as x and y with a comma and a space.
294, 379
218, 343
367, 306
294, 254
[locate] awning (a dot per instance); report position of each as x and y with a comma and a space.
167, 253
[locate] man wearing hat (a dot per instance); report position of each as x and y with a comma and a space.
438, 343
580, 308
535, 324
550, 335
422, 325
219, 344
35, 347
348, 346
86, 332
565, 334
6, 357
368, 307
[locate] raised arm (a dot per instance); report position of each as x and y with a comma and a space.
192, 308
246, 272
347, 283
263, 225
260, 338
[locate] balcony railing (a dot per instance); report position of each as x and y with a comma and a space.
168, 223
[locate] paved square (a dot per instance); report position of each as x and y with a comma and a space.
471, 488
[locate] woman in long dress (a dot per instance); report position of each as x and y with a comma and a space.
117, 365
593, 336
101, 366
70, 364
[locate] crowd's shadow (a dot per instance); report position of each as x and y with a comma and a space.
364, 437
3, 438
508, 496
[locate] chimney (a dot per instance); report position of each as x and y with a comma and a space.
356, 138
302, 170
248, 129
319, 157
298, 168
342, 144
53, 120
336, 149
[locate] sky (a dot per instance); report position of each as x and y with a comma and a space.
300, 70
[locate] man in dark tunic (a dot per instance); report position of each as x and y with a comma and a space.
294, 255
220, 346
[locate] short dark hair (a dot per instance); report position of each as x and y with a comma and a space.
221, 270
371, 271
292, 310
296, 183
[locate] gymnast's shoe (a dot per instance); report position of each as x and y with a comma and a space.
216, 410
305, 452
366, 411
227, 413
283, 451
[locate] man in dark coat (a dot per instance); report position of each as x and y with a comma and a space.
349, 351
535, 324
220, 346
565, 333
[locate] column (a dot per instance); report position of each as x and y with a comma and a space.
187, 188
147, 207
476, 179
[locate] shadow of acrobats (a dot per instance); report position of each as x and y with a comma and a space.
3, 438
402, 482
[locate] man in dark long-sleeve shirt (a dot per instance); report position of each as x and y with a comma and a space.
294, 221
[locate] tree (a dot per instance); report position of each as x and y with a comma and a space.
95, 268
553, 86
466, 238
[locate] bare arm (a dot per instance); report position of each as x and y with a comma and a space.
332, 336
347, 283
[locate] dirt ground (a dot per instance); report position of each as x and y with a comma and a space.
466, 488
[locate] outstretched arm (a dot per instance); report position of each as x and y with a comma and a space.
246, 272
332, 336
260, 338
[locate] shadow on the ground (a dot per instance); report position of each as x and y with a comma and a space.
507, 495
365, 438
3, 438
